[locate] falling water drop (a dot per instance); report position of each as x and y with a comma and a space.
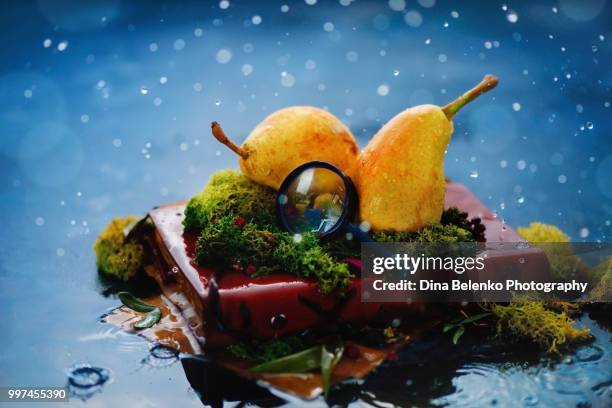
144, 90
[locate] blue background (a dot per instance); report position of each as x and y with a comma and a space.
90, 130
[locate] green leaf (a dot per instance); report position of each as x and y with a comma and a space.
149, 320
475, 318
458, 334
329, 359
133, 303
447, 327
301, 362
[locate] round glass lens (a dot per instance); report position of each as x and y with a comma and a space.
314, 201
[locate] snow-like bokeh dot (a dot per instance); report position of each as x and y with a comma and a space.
311, 2
352, 56
397, 5
413, 18
153, 47
512, 16
224, 4
62, 46
247, 69
60, 252
198, 32
287, 80
516, 106
198, 87
328, 26
284, 8
383, 90
581, 10
427, 3
179, 44
223, 56
39, 221
562, 179
47, 43
256, 19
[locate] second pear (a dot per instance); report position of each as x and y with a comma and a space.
399, 175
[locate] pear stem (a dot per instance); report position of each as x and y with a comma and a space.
488, 82
220, 135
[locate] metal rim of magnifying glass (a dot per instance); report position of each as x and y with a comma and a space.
348, 208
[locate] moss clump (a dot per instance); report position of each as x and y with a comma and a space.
232, 242
262, 351
438, 233
601, 275
564, 264
538, 232
228, 241
230, 193
528, 319
115, 256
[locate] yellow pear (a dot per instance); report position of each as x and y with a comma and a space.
288, 138
399, 175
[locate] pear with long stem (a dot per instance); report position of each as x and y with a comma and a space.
399, 175
288, 138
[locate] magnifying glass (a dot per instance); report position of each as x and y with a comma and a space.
318, 197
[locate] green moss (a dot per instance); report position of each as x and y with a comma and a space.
529, 319
230, 242
602, 276
434, 233
230, 193
262, 351
115, 256
564, 264
227, 242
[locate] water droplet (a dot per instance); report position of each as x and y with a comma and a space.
224, 4
516, 106
62, 46
84, 118
278, 321
27, 93
521, 260
521, 164
60, 252
396, 72
584, 232
442, 58
502, 205
153, 47
218, 102
197, 87
590, 125
454, 14
562, 179
144, 90
284, 8
473, 174
297, 238
520, 200
40, 221
47, 42
256, 19
157, 101
328, 27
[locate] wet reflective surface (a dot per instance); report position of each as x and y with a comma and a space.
105, 111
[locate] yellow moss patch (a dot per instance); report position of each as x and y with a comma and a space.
530, 320
602, 274
564, 264
116, 257
538, 232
